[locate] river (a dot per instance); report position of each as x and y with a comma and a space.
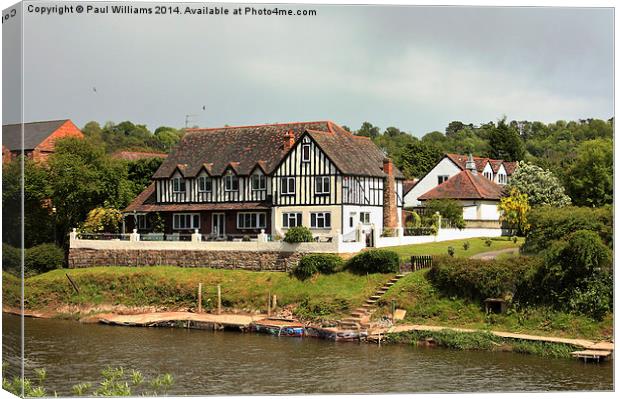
209, 363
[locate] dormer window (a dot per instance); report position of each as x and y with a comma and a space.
259, 182
489, 175
205, 184
231, 182
305, 152
178, 185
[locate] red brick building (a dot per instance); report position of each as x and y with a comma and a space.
38, 138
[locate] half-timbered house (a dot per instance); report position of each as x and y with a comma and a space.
233, 182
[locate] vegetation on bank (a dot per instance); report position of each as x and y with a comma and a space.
115, 381
321, 296
428, 305
482, 340
462, 248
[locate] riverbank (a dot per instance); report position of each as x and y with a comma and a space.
321, 299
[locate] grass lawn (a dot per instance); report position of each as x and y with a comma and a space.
174, 288
426, 305
476, 246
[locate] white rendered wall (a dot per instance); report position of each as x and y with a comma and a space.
444, 167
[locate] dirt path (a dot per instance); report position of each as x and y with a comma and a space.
584, 343
494, 254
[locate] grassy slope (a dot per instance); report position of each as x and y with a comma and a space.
174, 287
476, 246
425, 305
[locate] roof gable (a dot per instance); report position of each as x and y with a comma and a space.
465, 185
481, 162
34, 134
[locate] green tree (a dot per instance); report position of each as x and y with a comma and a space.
419, 157
368, 130
139, 172
590, 179
38, 215
450, 210
506, 143
82, 177
540, 186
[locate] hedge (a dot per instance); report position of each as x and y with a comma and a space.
480, 279
317, 263
374, 261
298, 234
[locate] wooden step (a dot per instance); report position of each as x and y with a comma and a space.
400, 275
360, 310
375, 297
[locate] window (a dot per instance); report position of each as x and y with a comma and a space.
352, 219
442, 178
185, 221
291, 219
321, 185
259, 182
320, 220
178, 185
488, 175
251, 220
231, 183
205, 184
305, 152
365, 217
287, 185
143, 222
501, 178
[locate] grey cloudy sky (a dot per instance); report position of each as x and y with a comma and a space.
416, 68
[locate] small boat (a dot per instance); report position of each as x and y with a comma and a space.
279, 327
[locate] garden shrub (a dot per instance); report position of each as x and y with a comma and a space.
42, 258
450, 211
317, 263
374, 261
298, 234
479, 279
11, 259
414, 220
548, 224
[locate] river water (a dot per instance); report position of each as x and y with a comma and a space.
207, 363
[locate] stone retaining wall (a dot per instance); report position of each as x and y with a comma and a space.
246, 260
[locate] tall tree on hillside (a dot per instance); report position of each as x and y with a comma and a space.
456, 126
419, 158
506, 143
590, 179
368, 130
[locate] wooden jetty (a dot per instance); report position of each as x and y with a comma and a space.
202, 321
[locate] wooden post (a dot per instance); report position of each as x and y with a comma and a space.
219, 299
199, 297
75, 287
274, 302
269, 304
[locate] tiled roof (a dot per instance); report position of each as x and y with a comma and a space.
135, 155
146, 202
461, 161
34, 134
245, 147
465, 186
408, 185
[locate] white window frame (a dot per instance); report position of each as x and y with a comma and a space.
442, 179
287, 217
502, 178
207, 181
318, 218
178, 185
285, 185
489, 175
242, 219
191, 217
261, 179
232, 179
365, 217
305, 146
319, 185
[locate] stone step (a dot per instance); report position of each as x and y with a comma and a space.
360, 310
351, 320
400, 275
371, 301
375, 297
389, 284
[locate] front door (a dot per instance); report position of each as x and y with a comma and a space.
218, 224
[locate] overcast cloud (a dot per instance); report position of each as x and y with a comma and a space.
416, 68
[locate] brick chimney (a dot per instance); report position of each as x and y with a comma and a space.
390, 219
289, 140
